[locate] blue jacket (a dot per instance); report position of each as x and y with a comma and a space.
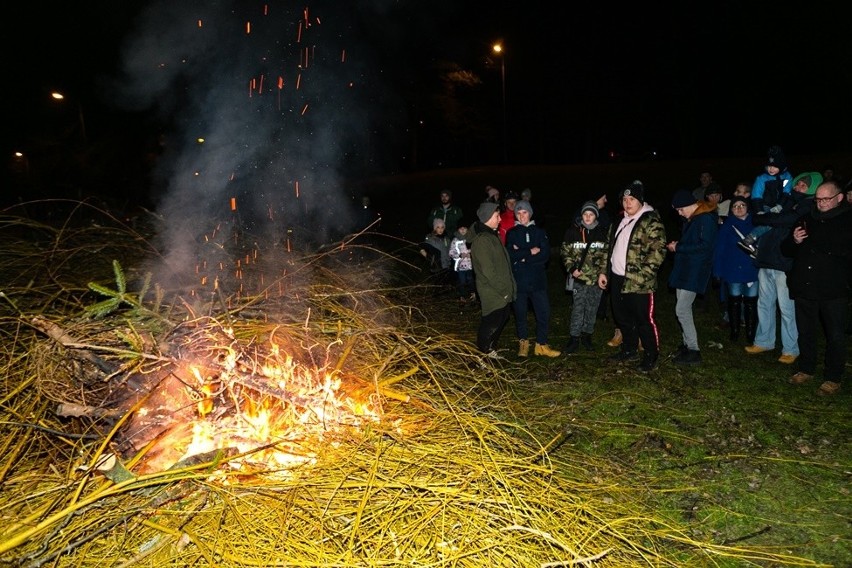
529, 269
767, 190
693, 258
730, 262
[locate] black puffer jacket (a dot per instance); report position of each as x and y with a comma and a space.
821, 262
769, 246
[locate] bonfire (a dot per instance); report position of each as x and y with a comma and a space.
313, 418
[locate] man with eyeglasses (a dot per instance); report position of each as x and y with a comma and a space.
821, 248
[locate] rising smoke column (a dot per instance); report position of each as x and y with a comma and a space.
272, 89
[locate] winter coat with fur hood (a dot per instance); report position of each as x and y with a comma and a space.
693, 256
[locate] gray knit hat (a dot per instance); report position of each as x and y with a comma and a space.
486, 210
591, 206
524, 205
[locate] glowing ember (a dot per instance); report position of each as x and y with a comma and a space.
268, 407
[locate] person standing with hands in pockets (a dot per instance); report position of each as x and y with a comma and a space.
529, 250
495, 284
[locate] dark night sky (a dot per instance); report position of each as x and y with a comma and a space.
716, 80
724, 80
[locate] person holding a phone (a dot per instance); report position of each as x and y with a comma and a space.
820, 245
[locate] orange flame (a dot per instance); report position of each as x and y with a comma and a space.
271, 433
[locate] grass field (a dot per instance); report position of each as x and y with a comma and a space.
708, 461
728, 447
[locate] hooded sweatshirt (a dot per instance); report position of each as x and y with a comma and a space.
640, 254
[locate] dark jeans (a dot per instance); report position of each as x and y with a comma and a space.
831, 316
541, 308
634, 316
464, 283
490, 328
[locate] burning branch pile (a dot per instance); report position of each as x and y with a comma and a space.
215, 394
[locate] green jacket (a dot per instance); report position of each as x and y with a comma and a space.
646, 251
451, 216
492, 269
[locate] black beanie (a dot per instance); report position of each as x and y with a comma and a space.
634, 189
775, 157
683, 198
738, 199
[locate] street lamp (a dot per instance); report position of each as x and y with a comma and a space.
498, 50
57, 96
20, 165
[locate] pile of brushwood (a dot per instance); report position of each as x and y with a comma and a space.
316, 419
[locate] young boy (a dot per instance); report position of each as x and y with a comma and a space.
583, 251
806, 183
766, 194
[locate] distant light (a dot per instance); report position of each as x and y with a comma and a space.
19, 154
497, 47
200, 140
57, 95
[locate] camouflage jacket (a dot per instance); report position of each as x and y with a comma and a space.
646, 251
577, 238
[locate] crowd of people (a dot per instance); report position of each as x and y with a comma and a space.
781, 244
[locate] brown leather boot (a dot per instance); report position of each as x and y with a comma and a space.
616, 339
524, 348
546, 351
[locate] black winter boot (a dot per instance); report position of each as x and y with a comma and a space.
750, 318
586, 341
735, 304
681, 349
688, 357
572, 345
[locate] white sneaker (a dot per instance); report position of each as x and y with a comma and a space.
488, 359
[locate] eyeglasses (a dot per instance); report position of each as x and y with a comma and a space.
825, 199
739, 205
